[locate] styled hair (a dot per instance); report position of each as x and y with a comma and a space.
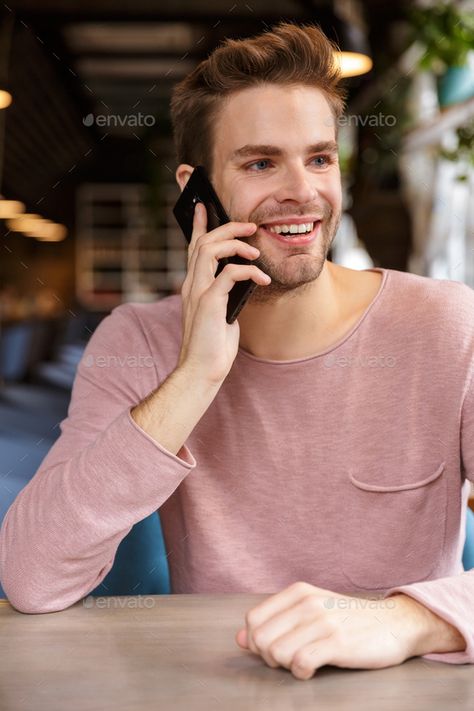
287, 55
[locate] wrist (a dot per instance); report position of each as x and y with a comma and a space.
170, 413
195, 378
428, 633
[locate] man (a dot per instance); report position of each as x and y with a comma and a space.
318, 449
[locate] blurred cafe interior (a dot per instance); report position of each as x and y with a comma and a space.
87, 167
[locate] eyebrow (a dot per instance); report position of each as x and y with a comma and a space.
268, 150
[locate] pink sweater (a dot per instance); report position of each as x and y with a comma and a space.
347, 469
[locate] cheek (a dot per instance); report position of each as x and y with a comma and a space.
336, 187
243, 203
334, 197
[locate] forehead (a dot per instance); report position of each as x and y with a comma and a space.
290, 117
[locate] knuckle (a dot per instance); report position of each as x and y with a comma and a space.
311, 603
301, 587
301, 662
260, 639
230, 268
201, 244
204, 246
279, 654
251, 619
201, 241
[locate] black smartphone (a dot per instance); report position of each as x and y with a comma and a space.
199, 189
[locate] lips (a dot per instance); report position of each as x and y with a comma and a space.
292, 220
296, 238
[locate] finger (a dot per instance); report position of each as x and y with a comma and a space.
199, 221
283, 649
261, 639
278, 602
207, 260
221, 234
233, 273
301, 622
241, 638
312, 657
273, 605
199, 227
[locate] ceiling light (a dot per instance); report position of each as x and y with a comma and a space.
10, 208
353, 64
5, 98
348, 28
47, 231
22, 223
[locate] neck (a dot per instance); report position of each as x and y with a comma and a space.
301, 322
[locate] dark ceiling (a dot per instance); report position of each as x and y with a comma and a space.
72, 62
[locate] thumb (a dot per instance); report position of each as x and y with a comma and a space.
241, 638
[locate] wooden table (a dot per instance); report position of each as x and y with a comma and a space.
178, 652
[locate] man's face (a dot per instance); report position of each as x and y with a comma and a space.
295, 176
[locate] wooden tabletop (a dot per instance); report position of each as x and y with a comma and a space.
178, 652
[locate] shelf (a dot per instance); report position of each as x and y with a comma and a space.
133, 258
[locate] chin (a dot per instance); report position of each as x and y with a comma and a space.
286, 284
293, 270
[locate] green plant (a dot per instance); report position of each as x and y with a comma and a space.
465, 149
447, 32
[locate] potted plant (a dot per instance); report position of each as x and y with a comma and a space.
446, 29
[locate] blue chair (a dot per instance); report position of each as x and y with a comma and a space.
140, 565
468, 551
15, 341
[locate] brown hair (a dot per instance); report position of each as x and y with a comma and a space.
288, 54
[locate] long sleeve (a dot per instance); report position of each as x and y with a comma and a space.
104, 474
452, 598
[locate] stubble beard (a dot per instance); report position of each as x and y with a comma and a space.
291, 279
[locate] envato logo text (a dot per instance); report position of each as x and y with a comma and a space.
372, 361
375, 120
113, 361
355, 603
130, 120
107, 603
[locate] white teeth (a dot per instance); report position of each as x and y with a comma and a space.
292, 229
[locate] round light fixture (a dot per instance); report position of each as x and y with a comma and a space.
23, 223
5, 98
10, 208
38, 227
47, 231
353, 64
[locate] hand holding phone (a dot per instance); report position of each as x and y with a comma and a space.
210, 343
199, 189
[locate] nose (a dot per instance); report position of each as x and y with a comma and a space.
297, 185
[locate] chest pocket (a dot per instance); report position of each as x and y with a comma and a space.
393, 535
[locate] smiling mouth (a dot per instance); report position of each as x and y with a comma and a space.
295, 238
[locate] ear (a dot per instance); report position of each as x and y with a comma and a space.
183, 173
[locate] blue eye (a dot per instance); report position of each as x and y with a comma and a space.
322, 158
256, 163
321, 162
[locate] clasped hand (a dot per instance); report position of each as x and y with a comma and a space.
304, 627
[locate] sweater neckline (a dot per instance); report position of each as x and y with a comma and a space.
349, 334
